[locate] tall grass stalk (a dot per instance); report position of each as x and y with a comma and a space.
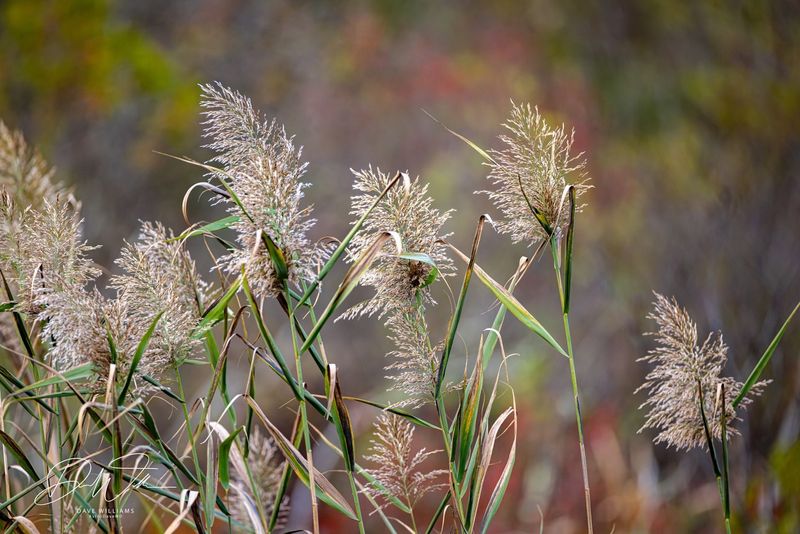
554, 247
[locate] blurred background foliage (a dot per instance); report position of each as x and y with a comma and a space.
689, 113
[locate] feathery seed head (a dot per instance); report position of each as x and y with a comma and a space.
398, 465
48, 255
682, 368
267, 472
264, 169
415, 360
532, 172
408, 210
159, 276
24, 174
74, 319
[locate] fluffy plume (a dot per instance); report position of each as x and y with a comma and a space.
415, 360
49, 255
25, 183
398, 465
24, 174
159, 276
532, 172
682, 367
408, 210
266, 471
75, 320
265, 170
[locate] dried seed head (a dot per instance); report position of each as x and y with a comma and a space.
415, 361
24, 174
49, 256
408, 210
75, 320
263, 167
682, 368
532, 173
398, 466
159, 276
267, 472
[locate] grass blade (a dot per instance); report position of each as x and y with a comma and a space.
137, 356
350, 281
210, 228
502, 484
341, 417
456, 318
216, 313
726, 491
764, 360
76, 373
514, 306
19, 454
485, 155
323, 488
568, 252
411, 418
7, 379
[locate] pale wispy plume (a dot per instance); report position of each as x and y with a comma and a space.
398, 466
52, 271
682, 367
266, 469
26, 182
74, 320
49, 255
265, 169
408, 210
531, 173
160, 277
415, 360
24, 174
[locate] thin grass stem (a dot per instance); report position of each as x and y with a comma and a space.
574, 382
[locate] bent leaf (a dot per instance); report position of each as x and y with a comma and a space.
514, 306
326, 492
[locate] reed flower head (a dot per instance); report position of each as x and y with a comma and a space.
684, 367
264, 169
49, 256
408, 210
531, 174
415, 360
24, 174
74, 319
159, 276
398, 465
267, 472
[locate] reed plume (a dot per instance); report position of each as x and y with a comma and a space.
415, 360
530, 175
49, 255
407, 210
264, 169
684, 367
266, 471
398, 465
159, 277
24, 174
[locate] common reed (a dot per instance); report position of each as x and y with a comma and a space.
690, 404
95, 365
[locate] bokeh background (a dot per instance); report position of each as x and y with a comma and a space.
689, 114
